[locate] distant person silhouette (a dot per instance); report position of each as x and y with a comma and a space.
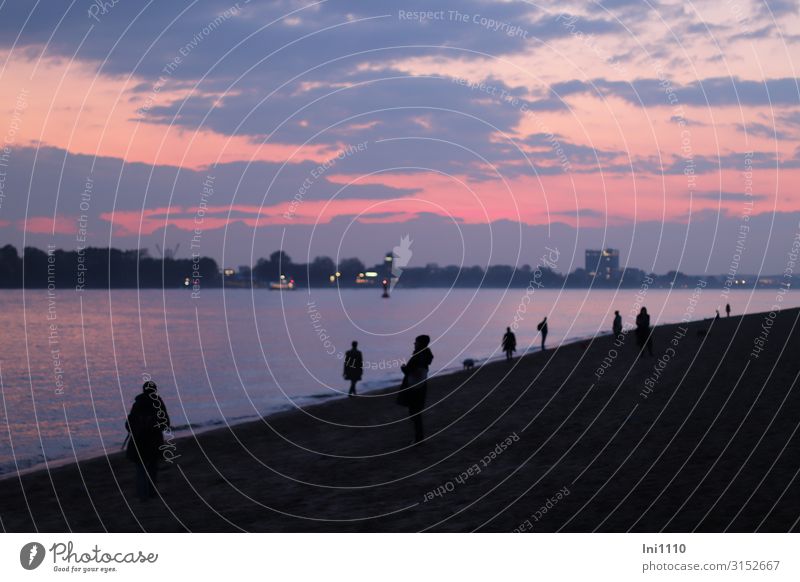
717, 315
542, 327
353, 367
145, 425
509, 343
415, 384
644, 337
616, 327
727, 310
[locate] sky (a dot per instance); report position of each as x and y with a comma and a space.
485, 131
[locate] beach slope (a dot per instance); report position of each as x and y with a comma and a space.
700, 437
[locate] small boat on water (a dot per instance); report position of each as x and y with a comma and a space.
285, 284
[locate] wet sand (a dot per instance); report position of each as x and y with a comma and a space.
705, 441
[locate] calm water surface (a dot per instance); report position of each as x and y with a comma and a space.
71, 365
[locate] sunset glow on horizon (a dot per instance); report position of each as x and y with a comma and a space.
591, 117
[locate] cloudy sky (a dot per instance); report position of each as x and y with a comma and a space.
484, 130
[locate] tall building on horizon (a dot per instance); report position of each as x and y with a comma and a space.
604, 262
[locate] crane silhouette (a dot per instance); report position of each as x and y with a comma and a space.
166, 252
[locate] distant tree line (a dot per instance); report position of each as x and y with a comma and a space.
96, 268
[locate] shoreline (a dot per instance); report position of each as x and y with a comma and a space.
704, 450
312, 400
318, 399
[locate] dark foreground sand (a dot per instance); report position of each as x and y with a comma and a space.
714, 447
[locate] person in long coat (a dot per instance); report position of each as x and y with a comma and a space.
616, 327
353, 367
415, 384
644, 336
146, 423
509, 343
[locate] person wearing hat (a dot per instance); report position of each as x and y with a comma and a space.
145, 425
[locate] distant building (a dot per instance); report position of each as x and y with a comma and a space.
603, 263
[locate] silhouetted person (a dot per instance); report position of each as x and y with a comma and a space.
353, 367
542, 327
415, 384
717, 315
616, 327
643, 335
146, 422
509, 343
727, 310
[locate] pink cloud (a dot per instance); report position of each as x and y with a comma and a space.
46, 225
578, 200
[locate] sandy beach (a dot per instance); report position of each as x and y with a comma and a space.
700, 437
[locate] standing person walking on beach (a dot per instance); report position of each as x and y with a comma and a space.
145, 425
644, 337
353, 367
542, 327
415, 384
727, 309
509, 343
616, 327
